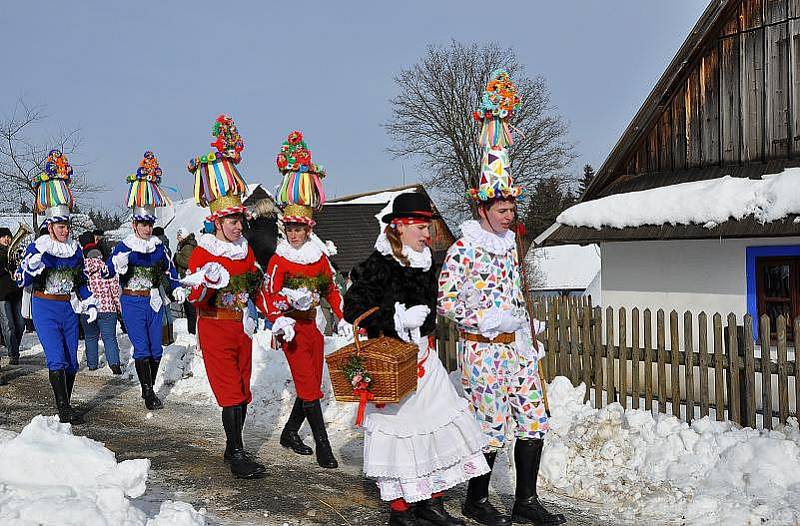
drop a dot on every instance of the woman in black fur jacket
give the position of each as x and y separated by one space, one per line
430 441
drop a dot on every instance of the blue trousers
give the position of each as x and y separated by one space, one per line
12 324
57 327
144 326
105 325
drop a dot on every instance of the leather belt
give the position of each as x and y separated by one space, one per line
221 314
140 293
503 337
302 315
53 297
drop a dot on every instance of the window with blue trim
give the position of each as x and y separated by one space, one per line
773 284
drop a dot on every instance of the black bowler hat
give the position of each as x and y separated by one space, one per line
411 204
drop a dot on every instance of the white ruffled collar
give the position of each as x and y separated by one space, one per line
55 248
225 249
498 244
142 246
305 255
422 260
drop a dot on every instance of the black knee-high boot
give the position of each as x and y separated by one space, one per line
432 510
58 381
289 436
154 364
313 411
527 508
242 465
477 505
227 455
145 374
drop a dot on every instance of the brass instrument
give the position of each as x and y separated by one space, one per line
19 243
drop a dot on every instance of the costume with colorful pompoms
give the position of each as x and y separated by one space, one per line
301 184
52 185
144 188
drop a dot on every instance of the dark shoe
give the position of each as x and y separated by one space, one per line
144 373
432 510
325 458
242 464
403 518
289 436
13 360
115 368
477 505
58 381
527 508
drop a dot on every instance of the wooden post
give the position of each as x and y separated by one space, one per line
598 357
688 364
675 370
609 355
635 358
563 335
586 336
737 396
623 359
574 345
766 372
702 329
749 373
796 334
648 362
662 357
783 372
552 338
719 369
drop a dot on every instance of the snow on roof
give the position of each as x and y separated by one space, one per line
707 203
378 198
565 266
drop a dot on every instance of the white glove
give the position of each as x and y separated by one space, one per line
179 294
34 261
120 262
412 318
299 299
489 323
250 326
284 327
344 329
91 314
509 323
215 275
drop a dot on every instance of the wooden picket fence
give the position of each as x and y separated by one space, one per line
623 356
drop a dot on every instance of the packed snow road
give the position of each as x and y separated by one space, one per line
184 443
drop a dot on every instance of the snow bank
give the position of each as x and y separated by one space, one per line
705 203
49 476
657 468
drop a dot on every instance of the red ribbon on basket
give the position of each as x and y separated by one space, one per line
362 390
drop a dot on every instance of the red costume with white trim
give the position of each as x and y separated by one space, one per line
227 349
293 269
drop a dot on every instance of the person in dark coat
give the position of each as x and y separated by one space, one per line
186 245
12 325
262 234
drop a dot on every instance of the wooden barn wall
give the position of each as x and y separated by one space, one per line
738 103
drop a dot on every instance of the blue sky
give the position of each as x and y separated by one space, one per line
153 75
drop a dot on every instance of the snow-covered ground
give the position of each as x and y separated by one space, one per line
627 465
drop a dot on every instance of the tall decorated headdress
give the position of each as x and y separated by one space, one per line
53 196
217 182
145 194
301 189
499 101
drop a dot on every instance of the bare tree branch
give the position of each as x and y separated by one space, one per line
432 122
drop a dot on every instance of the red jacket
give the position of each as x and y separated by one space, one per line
315 276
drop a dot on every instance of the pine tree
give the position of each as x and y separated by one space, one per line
588 175
545 204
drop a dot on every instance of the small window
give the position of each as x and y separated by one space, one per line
778 290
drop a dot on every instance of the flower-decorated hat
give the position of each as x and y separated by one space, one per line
217 182
499 101
145 194
301 190
53 196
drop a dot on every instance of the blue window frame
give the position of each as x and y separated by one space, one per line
752 254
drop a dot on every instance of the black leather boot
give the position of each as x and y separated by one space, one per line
154 369
227 455
70 384
243 466
477 506
432 510
325 456
403 518
527 508
58 381
145 374
289 436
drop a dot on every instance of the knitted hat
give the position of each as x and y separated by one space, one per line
217 183
53 196
145 194
498 104
301 190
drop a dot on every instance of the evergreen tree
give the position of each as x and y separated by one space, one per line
546 202
588 175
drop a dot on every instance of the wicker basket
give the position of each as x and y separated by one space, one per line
391 363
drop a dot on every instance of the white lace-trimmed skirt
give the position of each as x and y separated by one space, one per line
427 443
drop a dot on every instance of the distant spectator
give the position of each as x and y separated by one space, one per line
186 245
262 231
159 233
107 292
86 241
102 244
12 325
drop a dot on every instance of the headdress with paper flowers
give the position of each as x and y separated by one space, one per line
301 189
499 101
145 194
217 182
53 196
